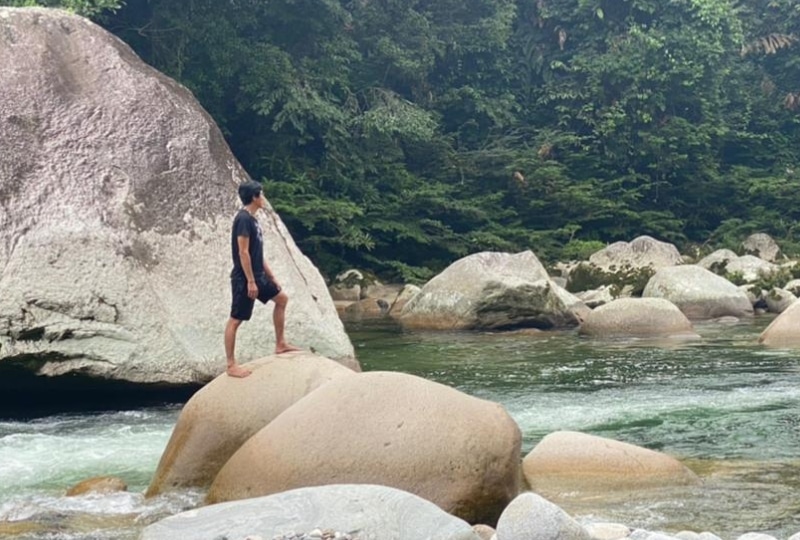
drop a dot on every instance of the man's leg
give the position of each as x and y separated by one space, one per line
233 369
279 320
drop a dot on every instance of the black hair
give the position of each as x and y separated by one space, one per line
249 191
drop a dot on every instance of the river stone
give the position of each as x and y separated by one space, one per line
637 317
387 428
751 268
490 290
793 287
784 331
484 532
100 484
117 193
756 536
532 517
698 293
596 297
607 531
406 293
572 460
717 260
762 245
220 417
778 300
639 253
347 286
371 512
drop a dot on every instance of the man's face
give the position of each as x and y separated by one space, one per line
260 200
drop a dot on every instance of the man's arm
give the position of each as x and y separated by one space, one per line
247 265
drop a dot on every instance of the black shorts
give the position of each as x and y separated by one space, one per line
241 304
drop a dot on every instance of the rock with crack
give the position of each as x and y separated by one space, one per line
117 193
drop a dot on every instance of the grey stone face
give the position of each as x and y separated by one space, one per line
367 512
117 193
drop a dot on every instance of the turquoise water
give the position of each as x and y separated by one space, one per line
725 406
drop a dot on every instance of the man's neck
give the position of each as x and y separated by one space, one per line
251 209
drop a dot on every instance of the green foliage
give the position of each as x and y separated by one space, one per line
399 136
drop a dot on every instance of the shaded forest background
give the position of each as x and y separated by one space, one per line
399 135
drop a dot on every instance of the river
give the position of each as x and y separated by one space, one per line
727 407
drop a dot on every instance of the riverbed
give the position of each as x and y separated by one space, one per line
725 406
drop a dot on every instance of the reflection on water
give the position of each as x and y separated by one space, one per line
729 408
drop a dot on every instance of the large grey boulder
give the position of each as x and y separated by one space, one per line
532 517
365 511
492 290
784 331
225 413
387 428
763 246
698 293
637 317
640 252
117 193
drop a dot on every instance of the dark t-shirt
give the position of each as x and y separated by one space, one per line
246 225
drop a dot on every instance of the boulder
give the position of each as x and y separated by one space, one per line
100 484
407 293
639 253
225 413
368 308
784 331
532 517
393 429
793 287
347 286
637 317
762 245
578 461
751 268
717 260
377 301
484 532
118 193
366 511
490 290
607 531
778 300
698 293
596 297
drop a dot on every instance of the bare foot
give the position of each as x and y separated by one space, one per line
237 371
286 347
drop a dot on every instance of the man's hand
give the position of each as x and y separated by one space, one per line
252 290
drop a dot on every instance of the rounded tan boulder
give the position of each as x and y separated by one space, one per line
784 331
219 418
392 429
637 317
577 461
99 484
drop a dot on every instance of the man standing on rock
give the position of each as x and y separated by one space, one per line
251 278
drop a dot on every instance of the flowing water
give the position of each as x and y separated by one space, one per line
727 407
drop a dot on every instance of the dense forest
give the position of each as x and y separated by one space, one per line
399 135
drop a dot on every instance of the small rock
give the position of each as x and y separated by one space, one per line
607 531
756 536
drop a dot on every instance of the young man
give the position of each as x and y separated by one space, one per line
251 278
